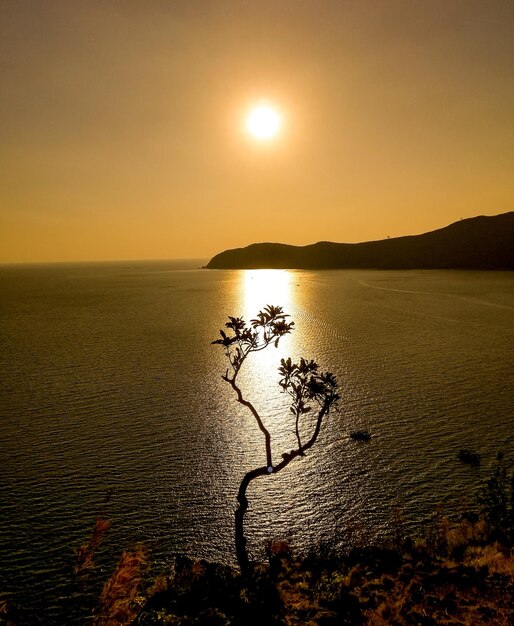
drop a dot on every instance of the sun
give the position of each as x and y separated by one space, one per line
263 122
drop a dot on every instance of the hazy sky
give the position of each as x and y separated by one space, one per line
122 122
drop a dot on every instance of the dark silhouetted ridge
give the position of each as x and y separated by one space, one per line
482 243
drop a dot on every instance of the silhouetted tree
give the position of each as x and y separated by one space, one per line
310 390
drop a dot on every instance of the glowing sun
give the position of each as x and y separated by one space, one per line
263 122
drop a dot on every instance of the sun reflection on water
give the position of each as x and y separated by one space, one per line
259 376
262 287
258 289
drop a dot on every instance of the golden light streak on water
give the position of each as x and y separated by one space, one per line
258 289
262 287
259 377
280 494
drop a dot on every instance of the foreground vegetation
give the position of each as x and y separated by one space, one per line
458 573
367 586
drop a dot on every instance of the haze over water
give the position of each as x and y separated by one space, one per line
109 381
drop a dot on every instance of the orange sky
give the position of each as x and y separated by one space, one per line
121 123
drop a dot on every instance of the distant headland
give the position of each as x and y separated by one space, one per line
480 243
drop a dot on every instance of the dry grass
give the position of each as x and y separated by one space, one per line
447 595
456 574
121 599
454 577
85 554
494 557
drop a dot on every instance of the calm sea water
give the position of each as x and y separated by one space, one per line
109 382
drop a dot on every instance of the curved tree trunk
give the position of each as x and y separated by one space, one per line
241 551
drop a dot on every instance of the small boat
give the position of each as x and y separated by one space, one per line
360 435
469 457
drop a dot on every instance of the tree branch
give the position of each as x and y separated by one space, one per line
241 551
253 410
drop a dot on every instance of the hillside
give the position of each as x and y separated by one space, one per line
481 243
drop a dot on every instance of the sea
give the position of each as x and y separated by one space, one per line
112 404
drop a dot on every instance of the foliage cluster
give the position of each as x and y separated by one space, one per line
267 328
